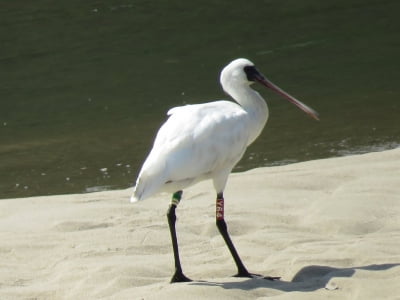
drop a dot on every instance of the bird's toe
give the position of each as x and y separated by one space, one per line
179 277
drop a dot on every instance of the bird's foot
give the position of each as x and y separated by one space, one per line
245 273
179 277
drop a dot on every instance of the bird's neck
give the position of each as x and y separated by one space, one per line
255 106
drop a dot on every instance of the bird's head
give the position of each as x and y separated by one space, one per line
242 72
235 73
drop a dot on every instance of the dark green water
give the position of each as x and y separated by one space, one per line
84 85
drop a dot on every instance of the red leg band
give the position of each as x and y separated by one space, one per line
219 214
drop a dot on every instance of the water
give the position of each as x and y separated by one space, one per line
86 84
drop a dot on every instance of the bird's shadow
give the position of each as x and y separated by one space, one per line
308 279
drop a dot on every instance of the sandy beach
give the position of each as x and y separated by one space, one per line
329 228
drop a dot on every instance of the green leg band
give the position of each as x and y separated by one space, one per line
176 198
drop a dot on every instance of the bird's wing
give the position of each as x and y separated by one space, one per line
195 141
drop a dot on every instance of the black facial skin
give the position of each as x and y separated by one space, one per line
252 73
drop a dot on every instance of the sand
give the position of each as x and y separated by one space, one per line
330 228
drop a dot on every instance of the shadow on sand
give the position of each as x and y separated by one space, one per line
308 279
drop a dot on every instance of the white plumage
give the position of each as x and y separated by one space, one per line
205 141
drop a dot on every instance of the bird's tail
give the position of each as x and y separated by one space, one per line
143 190
138 191
147 184
134 199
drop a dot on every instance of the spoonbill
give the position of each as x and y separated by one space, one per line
205 141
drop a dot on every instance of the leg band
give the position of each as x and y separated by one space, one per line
176 198
219 213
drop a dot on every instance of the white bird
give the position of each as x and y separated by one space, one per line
205 141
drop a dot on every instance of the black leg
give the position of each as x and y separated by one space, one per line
178 275
223 229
